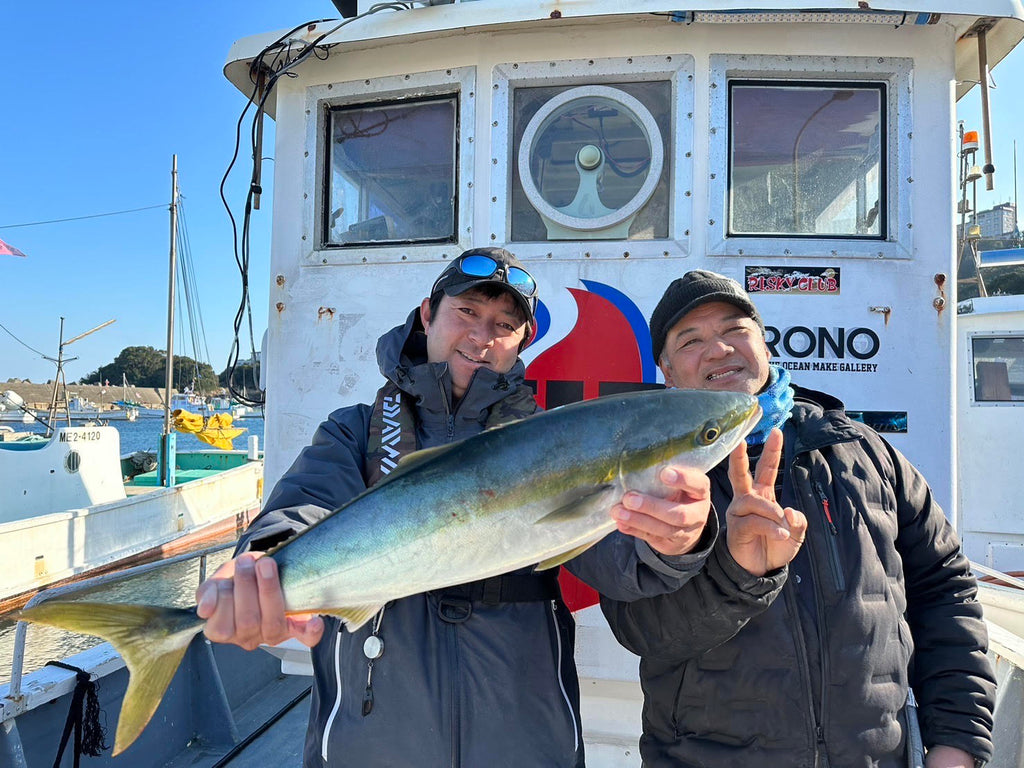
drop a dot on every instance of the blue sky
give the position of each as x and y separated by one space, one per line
1006 104
97 98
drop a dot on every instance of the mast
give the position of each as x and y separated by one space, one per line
59 380
171 279
168 442
51 418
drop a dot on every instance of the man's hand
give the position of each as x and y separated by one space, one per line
761 535
243 604
672 525
948 757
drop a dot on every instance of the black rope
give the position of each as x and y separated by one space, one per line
90 735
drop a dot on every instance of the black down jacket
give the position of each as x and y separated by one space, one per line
810 665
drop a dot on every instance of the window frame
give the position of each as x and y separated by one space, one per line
894 73
972 378
443 98
879 87
457 82
676 69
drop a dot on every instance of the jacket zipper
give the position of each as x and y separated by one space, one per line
814 730
337 698
561 683
833 533
453 658
822 749
817 731
821 629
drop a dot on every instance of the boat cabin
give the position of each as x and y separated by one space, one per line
806 152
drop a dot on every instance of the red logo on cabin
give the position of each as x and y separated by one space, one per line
607 351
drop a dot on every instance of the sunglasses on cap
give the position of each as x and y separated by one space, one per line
484 267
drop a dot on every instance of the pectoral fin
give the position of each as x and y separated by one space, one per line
577 507
553 562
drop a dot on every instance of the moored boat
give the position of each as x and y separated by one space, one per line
83 409
14 411
68 510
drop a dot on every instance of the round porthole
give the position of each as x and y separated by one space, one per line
72 461
590 159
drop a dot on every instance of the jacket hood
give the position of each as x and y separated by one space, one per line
823 421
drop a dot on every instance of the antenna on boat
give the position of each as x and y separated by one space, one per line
968 271
59 380
986 115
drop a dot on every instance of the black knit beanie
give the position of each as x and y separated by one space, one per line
688 292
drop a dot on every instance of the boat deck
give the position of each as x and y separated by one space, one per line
225 706
150 480
271 726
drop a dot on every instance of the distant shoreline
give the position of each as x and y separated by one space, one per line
38 396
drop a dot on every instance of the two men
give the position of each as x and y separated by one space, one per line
795 646
479 674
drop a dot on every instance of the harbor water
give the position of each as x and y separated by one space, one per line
174 585
144 434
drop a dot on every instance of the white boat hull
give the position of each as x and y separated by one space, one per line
65 511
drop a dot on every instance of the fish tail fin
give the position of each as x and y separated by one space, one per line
151 640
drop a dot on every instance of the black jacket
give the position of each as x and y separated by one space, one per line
810 665
497 689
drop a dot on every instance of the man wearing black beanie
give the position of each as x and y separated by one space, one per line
794 648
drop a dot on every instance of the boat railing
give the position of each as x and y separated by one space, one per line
18 657
1006 578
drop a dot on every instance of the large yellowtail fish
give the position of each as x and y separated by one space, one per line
536 491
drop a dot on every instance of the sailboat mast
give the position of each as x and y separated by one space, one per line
172 277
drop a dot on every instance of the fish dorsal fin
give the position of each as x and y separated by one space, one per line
553 562
416 458
354 616
578 506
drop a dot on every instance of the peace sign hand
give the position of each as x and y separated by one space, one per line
761 535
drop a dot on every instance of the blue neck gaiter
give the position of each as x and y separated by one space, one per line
776 405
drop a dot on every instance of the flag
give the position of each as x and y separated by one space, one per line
9 250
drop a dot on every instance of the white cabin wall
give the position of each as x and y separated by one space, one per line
319 360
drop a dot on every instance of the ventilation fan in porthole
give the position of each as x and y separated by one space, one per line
615 146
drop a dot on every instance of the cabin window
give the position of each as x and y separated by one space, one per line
597 161
807 159
391 173
998 368
810 156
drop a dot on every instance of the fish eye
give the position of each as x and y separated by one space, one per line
709 433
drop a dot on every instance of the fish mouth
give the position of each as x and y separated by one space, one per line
753 417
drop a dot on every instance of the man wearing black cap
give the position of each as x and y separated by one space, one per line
797 643
476 675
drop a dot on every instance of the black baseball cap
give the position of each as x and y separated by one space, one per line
696 287
490 266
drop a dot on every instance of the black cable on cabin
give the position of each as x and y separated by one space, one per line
277 69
